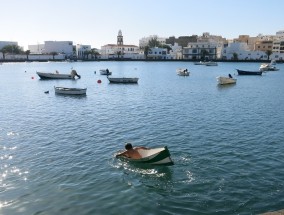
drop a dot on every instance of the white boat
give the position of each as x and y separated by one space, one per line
105 72
267 67
210 63
57 75
155 156
199 63
222 80
182 72
123 80
70 91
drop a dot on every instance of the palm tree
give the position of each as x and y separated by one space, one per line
146 51
94 52
268 53
203 54
27 53
235 56
53 54
154 43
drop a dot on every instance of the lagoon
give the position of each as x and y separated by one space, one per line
56 152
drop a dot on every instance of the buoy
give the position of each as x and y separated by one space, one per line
32 77
99 81
46 92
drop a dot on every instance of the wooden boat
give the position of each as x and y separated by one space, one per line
155 156
226 80
105 72
57 75
70 91
123 80
245 72
182 72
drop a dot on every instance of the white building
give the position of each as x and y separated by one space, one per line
63 47
242 51
119 50
158 54
7 43
81 50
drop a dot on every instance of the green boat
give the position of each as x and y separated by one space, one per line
155 156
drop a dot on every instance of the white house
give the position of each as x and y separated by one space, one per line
64 47
158 53
242 51
81 50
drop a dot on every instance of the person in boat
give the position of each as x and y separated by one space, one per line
230 76
131 152
107 71
74 73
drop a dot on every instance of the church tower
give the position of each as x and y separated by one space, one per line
119 38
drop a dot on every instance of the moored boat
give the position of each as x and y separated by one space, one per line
105 72
154 156
245 72
222 80
182 72
123 80
210 63
265 67
70 91
57 75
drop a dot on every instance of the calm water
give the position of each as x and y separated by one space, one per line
56 152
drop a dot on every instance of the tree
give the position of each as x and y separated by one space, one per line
119 53
235 56
154 43
94 52
268 53
27 53
203 54
53 54
11 49
146 51
167 47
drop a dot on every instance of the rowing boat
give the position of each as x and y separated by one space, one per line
154 156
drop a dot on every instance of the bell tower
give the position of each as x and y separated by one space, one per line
119 38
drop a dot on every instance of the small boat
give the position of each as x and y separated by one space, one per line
199 63
70 91
245 72
182 72
155 156
267 67
210 63
57 75
105 72
123 80
222 80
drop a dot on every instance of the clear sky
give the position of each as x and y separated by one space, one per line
97 22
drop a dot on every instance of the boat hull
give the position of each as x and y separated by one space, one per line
70 91
45 75
123 80
226 80
105 72
156 156
244 72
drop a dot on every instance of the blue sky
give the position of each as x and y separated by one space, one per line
97 22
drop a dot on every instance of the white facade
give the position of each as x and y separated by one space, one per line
64 47
81 50
242 51
158 53
194 50
118 51
7 43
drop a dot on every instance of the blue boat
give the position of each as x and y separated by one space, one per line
245 72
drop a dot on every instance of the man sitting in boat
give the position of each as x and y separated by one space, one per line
230 76
131 152
74 73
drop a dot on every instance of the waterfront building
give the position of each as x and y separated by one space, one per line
207 47
120 50
182 40
241 51
63 47
82 51
145 40
157 53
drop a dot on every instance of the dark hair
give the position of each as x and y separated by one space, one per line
128 146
